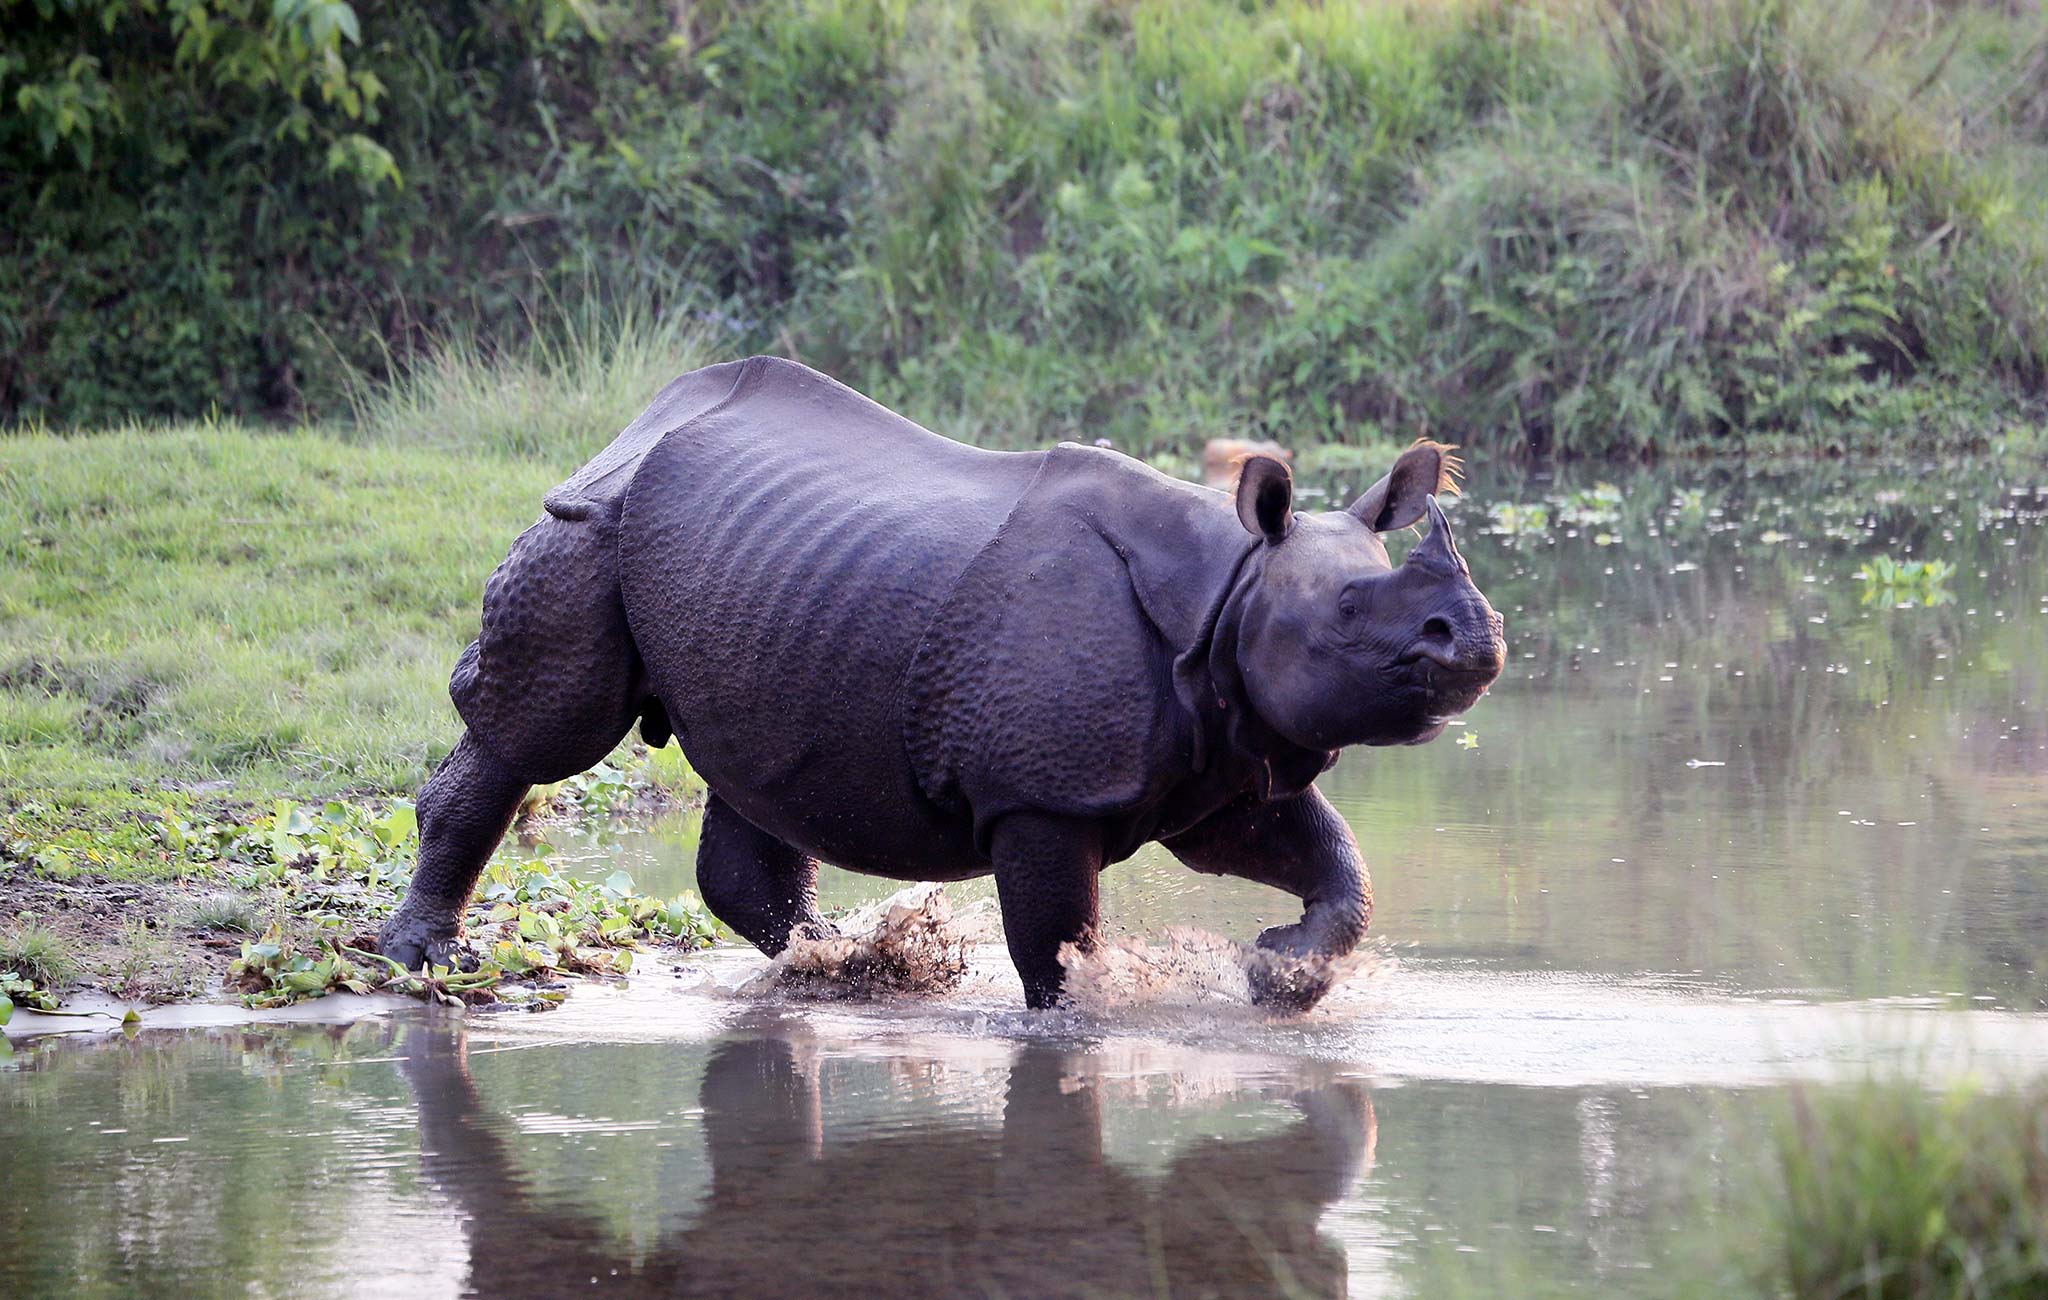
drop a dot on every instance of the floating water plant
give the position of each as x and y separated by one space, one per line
1895 584
1518 519
1599 504
21 991
528 923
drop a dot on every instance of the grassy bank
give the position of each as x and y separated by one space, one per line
1888 1191
205 602
1554 225
210 634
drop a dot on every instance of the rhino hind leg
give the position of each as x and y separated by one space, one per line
553 681
764 889
464 811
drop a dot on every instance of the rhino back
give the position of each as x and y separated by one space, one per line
780 554
598 489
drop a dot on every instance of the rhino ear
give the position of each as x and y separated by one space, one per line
1265 497
1424 470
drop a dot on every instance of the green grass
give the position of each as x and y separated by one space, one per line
220 911
37 953
1892 1192
213 604
1664 226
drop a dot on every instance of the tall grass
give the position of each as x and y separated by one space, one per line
560 394
1604 228
37 953
1890 1192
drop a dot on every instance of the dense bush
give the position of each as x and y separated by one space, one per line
1622 227
231 204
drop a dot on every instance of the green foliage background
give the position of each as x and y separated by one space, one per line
1559 225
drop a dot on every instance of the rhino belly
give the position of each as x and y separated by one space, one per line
776 609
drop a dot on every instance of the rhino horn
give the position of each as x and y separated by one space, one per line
1438 548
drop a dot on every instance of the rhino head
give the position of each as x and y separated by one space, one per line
1339 646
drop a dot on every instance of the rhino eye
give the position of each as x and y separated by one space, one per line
1347 607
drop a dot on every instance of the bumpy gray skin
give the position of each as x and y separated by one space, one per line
917 659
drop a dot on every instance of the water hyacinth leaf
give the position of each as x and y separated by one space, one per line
619 883
6 1008
398 825
292 819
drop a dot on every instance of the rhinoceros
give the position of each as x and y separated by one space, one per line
913 658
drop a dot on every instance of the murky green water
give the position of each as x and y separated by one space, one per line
1725 822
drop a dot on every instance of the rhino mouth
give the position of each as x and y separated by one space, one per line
1422 696
1449 689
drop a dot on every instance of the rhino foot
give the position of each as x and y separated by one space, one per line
415 941
1290 985
1289 972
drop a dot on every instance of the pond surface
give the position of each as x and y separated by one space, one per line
1734 817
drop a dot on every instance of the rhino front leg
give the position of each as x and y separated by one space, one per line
464 810
1300 845
1046 876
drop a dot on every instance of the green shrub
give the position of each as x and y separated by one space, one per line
1601 228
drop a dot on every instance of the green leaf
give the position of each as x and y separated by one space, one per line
6 1008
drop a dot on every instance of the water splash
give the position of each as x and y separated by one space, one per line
908 945
914 945
1187 967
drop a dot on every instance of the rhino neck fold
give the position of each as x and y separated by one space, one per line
1228 733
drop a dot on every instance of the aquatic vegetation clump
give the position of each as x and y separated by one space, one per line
20 991
1902 584
528 925
1893 1192
310 883
642 782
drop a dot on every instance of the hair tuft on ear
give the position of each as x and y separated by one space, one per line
1450 466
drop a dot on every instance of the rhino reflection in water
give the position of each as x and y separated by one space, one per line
1034 1208
917 659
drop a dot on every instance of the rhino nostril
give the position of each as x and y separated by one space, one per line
1437 629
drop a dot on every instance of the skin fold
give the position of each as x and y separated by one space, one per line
917 659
